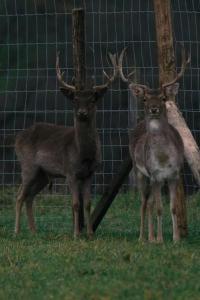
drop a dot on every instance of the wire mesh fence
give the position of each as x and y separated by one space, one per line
33 31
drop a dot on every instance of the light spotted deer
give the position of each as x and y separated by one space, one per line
157 151
46 151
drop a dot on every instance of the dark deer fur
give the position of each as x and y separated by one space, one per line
157 151
46 151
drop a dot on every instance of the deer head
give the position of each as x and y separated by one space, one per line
154 99
85 100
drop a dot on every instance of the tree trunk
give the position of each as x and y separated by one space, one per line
191 150
167 72
78 38
78 41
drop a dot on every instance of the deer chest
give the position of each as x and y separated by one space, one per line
162 161
157 159
86 168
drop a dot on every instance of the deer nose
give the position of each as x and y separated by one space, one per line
154 110
82 113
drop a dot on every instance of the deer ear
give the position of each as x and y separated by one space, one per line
68 93
172 90
99 92
136 90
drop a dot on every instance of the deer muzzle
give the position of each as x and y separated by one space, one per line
154 112
82 115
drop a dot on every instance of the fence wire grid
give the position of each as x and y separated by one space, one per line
32 32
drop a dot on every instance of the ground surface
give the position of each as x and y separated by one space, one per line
51 265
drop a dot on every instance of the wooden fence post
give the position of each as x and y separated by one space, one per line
78 41
167 72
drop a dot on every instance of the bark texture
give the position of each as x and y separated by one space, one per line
78 41
167 72
191 150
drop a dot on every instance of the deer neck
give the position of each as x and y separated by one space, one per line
156 125
85 137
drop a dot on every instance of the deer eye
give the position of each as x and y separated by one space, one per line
163 98
93 100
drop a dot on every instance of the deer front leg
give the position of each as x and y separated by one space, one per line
172 191
87 206
157 194
75 206
29 211
142 216
151 236
143 185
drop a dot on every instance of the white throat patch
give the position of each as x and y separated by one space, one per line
154 124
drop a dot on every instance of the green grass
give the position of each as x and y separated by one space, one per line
114 265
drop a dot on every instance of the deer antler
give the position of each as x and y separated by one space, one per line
128 78
60 76
120 60
110 79
183 67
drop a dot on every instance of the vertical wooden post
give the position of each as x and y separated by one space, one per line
167 71
78 40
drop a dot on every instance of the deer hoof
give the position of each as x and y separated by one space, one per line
159 240
152 240
90 232
141 239
77 235
176 240
16 234
33 231
90 236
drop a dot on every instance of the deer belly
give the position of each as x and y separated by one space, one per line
51 164
163 167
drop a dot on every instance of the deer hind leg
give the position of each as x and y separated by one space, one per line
151 236
37 185
172 191
28 173
32 183
142 216
29 212
21 198
74 187
159 209
18 208
87 206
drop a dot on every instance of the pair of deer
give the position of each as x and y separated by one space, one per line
46 151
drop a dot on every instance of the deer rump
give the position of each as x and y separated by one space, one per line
139 146
52 149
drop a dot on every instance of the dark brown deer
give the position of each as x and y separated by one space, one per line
46 151
157 151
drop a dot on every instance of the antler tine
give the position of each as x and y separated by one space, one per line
183 67
115 70
110 79
125 79
120 60
60 76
